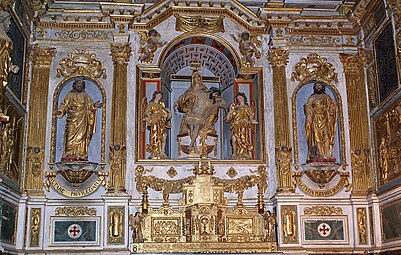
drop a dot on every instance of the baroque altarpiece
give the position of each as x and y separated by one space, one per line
200 127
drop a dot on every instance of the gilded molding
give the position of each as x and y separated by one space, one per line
120 53
35 222
362 226
312 67
81 63
73 211
186 23
322 210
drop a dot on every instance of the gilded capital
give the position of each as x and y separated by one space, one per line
353 62
120 53
278 56
42 56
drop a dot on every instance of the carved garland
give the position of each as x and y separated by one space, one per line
323 210
75 211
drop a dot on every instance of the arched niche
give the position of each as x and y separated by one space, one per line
300 97
96 148
220 67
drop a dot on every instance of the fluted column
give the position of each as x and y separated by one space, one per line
41 62
118 154
278 58
358 121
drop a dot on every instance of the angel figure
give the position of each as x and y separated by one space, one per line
247 48
157 118
135 222
243 120
151 41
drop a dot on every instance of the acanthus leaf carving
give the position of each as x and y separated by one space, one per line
323 210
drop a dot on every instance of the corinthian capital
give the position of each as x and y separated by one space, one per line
42 56
278 56
353 62
120 53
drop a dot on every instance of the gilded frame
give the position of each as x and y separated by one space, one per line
53 219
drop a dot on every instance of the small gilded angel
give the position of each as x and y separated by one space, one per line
151 42
247 48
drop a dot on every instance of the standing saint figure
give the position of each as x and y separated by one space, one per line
80 124
6 46
243 120
158 120
320 125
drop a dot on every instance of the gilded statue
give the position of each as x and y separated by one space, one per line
362 226
361 169
80 122
200 107
383 159
284 161
152 42
270 227
157 118
8 149
6 46
320 125
243 120
4 118
247 48
136 222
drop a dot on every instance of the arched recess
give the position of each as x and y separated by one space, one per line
96 91
220 67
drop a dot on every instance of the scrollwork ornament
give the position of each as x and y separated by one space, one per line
72 211
323 210
81 63
84 35
120 53
278 56
312 67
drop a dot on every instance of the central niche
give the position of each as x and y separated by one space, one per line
195 107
